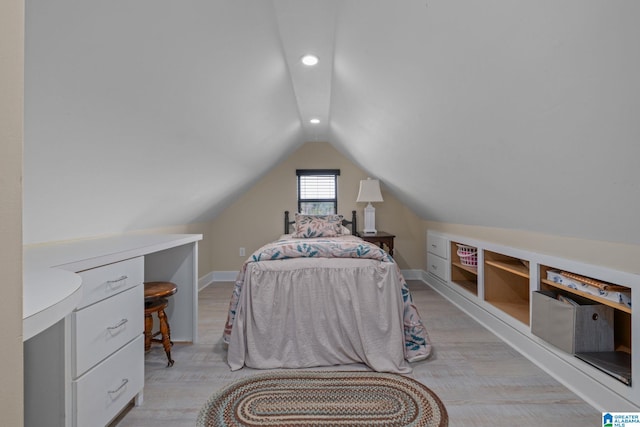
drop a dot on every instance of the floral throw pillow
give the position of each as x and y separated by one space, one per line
318 226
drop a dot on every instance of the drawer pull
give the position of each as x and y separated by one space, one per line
117 325
435 267
434 246
120 387
117 281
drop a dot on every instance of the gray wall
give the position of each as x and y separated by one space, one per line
519 115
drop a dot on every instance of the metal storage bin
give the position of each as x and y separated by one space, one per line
587 327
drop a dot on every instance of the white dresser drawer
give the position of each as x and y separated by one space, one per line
102 328
437 245
102 282
437 266
101 393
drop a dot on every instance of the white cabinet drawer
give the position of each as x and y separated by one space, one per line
437 245
101 393
102 282
103 328
437 266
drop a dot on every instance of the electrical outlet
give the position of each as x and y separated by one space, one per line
241 251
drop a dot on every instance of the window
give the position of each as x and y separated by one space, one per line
318 191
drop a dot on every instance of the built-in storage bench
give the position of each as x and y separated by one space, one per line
515 292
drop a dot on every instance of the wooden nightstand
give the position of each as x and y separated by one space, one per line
381 238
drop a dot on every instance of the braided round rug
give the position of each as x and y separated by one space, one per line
324 398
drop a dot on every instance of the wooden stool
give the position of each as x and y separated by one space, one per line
155 301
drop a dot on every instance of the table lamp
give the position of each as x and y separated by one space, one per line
369 192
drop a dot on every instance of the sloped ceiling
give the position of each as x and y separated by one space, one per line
520 115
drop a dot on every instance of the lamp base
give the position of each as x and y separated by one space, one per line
369 220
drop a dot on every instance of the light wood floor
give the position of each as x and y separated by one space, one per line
481 380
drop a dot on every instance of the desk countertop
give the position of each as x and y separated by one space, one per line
51 287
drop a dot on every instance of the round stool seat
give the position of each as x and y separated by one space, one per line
153 290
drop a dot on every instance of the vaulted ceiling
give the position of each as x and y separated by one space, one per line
516 114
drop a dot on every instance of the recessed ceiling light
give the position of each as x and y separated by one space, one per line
309 60
314 121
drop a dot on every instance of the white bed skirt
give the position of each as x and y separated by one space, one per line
308 312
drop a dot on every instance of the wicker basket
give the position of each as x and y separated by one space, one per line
468 255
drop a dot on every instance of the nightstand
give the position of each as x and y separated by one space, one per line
381 238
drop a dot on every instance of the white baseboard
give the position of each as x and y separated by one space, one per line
413 274
216 276
205 281
225 276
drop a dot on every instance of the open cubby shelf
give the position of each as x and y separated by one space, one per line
514 267
465 276
468 269
606 361
616 305
506 285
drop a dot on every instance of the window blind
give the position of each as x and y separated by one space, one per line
318 187
317 191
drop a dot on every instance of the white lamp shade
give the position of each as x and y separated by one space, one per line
369 191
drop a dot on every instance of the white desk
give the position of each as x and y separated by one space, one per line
52 290
49 295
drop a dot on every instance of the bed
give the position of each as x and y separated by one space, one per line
322 296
